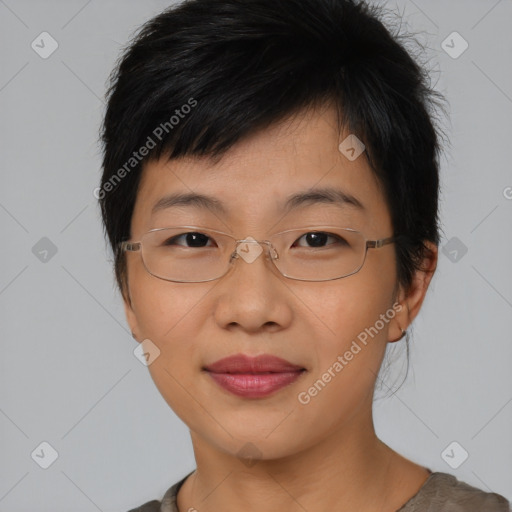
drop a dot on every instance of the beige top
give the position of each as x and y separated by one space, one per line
441 492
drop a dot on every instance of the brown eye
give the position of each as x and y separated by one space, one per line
320 238
192 239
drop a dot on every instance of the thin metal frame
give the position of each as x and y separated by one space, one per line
369 244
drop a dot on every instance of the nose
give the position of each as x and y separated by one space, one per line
249 249
252 295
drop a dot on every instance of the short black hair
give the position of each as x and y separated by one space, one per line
202 75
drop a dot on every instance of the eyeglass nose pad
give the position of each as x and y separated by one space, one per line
248 249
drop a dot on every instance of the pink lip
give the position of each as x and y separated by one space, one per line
253 377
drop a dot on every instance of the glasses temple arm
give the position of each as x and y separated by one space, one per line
129 246
375 244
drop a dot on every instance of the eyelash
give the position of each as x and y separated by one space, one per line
329 235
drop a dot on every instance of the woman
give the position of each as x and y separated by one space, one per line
270 191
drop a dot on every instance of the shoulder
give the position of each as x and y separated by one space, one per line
443 492
168 503
150 506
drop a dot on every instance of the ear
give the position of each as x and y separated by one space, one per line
412 299
131 317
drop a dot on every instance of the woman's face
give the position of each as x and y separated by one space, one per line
254 310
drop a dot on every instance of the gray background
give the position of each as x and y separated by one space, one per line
68 375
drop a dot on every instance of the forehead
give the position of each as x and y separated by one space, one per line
256 179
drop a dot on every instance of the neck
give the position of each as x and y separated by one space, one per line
349 470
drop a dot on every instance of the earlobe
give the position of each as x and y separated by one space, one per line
130 315
400 323
404 332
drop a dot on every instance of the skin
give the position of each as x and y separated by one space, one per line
311 457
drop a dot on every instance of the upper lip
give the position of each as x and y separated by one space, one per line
241 363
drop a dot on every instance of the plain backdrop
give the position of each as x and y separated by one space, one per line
68 375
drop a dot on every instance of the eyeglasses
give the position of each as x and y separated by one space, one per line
192 254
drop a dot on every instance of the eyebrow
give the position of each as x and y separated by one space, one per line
322 195
326 195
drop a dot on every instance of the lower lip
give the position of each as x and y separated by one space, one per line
255 385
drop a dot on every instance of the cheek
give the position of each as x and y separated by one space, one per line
353 332
348 353
168 314
345 307
159 305
353 316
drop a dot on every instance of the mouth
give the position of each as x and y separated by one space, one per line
253 377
